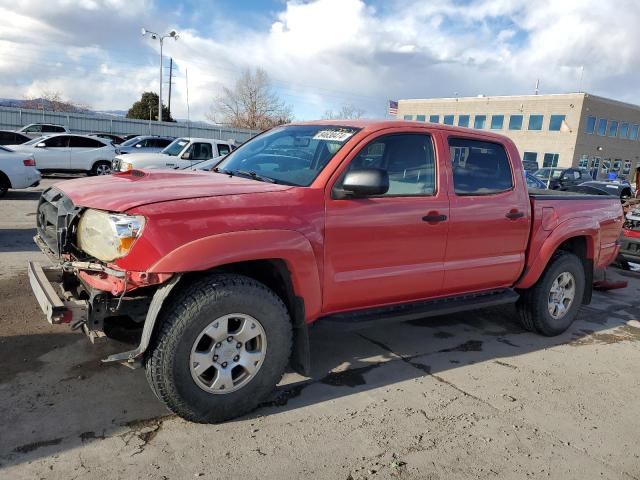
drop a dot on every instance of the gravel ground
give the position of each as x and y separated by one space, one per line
457 397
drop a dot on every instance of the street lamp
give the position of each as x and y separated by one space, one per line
156 36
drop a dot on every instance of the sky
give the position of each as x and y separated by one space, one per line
319 54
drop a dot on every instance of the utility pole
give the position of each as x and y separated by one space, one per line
186 75
170 82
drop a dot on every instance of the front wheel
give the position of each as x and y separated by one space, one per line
101 168
552 304
222 346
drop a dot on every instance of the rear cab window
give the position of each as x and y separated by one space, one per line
479 167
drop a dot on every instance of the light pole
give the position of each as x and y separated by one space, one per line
156 36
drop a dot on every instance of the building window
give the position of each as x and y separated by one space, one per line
479 121
463 120
617 163
408 117
633 133
434 118
624 130
535 122
555 122
420 118
627 167
591 125
530 161
496 122
584 161
613 128
515 122
602 127
448 120
550 160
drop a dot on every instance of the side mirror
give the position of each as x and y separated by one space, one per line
41 145
186 156
364 183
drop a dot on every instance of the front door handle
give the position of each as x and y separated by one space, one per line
514 215
434 218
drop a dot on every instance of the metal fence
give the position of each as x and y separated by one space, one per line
15 118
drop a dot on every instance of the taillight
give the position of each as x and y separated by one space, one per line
29 162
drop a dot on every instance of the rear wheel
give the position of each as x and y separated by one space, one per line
101 168
223 344
4 184
552 304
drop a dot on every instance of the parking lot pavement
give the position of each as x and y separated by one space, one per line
464 396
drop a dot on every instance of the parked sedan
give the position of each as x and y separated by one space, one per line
70 153
7 137
17 170
144 143
533 182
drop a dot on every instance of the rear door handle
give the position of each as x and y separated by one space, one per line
434 218
514 215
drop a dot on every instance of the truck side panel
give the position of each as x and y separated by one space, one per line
555 220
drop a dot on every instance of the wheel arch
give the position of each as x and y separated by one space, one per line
5 181
580 236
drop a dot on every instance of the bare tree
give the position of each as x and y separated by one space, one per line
53 101
346 112
252 103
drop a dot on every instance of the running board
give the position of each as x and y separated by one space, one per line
362 319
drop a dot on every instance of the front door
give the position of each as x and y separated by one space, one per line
489 226
54 154
388 248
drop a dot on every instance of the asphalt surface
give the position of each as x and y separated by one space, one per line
457 397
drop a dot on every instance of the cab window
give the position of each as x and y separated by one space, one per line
479 168
408 159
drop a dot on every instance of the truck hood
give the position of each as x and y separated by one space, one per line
123 191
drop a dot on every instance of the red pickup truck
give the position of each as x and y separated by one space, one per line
222 272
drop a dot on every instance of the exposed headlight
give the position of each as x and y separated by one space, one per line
126 166
107 236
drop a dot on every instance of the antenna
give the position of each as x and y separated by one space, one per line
186 76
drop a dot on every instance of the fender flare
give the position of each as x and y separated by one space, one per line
234 247
576 227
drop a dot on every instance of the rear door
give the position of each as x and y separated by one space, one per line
223 149
388 248
490 215
84 151
54 155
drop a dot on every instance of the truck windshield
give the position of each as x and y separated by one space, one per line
291 155
175 147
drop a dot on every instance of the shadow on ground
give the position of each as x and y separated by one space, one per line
58 395
17 240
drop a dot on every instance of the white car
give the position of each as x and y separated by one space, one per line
17 170
181 153
70 153
35 130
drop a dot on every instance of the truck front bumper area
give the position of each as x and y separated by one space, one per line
61 305
58 308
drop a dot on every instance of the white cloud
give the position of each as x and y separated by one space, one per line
323 53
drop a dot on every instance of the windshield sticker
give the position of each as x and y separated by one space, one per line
335 135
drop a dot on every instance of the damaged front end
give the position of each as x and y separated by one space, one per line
95 296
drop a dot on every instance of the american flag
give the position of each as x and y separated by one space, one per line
393 107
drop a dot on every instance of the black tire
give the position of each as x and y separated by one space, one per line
189 312
98 168
5 184
533 304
